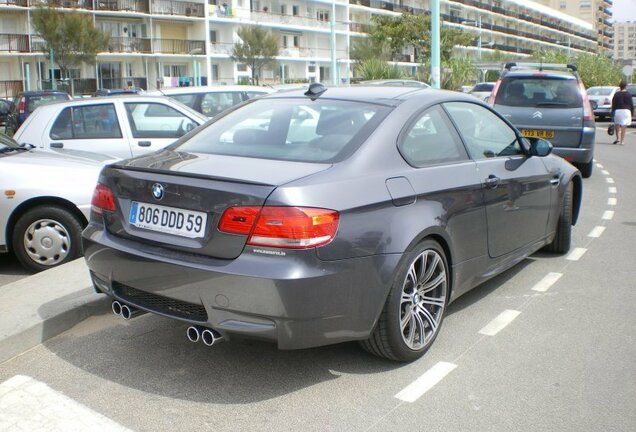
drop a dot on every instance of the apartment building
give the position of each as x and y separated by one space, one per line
624 41
165 43
596 12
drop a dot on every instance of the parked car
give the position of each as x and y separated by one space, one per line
396 82
117 92
213 100
5 106
482 90
121 126
26 102
45 203
549 101
631 88
601 100
365 225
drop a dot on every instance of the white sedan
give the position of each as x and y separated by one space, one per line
45 202
121 126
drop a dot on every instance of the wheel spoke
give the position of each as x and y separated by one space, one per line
433 284
406 298
406 319
411 336
431 268
429 318
421 330
433 301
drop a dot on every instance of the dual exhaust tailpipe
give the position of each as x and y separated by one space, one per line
125 311
207 335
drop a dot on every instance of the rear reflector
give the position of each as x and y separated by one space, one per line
21 105
282 227
103 199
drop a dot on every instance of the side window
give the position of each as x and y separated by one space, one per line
431 139
87 122
483 132
155 120
186 99
214 103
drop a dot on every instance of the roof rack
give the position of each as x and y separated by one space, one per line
540 66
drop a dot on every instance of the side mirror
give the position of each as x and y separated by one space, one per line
539 147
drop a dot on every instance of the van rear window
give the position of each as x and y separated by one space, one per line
539 92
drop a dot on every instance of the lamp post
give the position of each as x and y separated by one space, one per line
478 25
569 42
435 42
334 62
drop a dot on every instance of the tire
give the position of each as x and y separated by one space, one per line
586 169
46 236
422 316
563 237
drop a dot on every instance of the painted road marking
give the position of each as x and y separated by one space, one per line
605 172
612 189
576 254
597 231
608 215
499 323
609 179
611 201
424 383
28 404
599 165
544 284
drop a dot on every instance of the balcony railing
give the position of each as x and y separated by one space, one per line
366 3
76 86
177 46
124 5
23 3
172 7
129 45
71 4
8 89
221 48
14 42
120 83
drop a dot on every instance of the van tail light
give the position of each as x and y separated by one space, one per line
588 114
282 227
103 200
607 101
493 93
21 106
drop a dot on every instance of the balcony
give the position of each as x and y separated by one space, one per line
177 46
120 83
70 4
181 8
123 5
75 86
305 52
22 3
221 48
129 45
366 3
14 43
360 28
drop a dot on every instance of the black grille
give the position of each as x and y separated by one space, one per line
159 304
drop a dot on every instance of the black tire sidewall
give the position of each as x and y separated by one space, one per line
65 218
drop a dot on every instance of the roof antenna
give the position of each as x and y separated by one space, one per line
315 91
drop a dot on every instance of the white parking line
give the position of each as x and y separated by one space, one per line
544 284
32 405
612 189
499 323
424 383
605 172
597 231
599 165
609 180
576 254
611 201
608 215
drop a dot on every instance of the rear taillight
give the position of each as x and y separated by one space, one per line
607 101
103 199
21 105
493 94
588 114
282 227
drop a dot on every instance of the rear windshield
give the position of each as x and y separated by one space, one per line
600 91
484 87
539 92
289 129
632 89
36 101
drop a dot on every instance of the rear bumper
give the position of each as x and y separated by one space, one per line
297 300
584 153
603 110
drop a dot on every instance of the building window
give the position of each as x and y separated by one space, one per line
215 72
585 4
241 67
295 10
322 15
291 41
563 4
283 9
213 36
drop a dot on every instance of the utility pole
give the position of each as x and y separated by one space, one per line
435 42
334 63
51 70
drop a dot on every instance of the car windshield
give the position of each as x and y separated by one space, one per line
600 91
36 101
537 92
484 87
289 129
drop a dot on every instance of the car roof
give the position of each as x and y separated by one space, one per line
42 92
209 89
536 73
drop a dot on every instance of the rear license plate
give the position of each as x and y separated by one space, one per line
170 220
534 133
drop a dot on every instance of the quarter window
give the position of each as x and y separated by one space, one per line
86 122
152 120
484 134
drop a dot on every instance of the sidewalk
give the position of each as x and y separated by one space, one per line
42 306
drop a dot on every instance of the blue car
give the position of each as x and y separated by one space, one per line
26 102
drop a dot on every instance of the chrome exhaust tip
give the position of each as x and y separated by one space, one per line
211 337
116 307
193 334
129 312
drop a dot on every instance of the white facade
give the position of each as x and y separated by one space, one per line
164 43
624 41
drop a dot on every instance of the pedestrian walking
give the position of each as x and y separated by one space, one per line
622 111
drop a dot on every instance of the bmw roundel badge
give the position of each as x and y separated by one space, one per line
157 191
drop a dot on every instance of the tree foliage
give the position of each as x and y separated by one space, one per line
457 72
376 68
258 49
72 36
594 69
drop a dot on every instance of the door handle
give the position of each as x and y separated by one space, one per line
555 181
144 143
57 145
492 181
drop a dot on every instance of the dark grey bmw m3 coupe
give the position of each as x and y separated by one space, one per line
315 217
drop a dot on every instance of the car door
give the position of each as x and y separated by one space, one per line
155 125
516 187
95 128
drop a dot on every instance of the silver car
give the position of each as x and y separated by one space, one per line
601 100
121 126
44 203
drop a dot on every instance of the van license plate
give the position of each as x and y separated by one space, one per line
534 133
170 220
